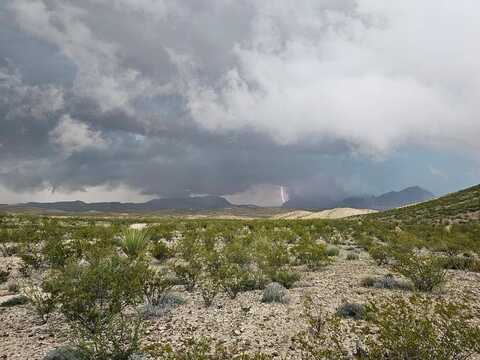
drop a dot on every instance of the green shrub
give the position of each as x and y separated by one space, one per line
188 273
352 310
42 302
332 251
94 299
134 242
285 277
380 254
425 272
396 329
417 329
465 263
209 289
155 286
234 279
161 251
308 252
275 293
55 252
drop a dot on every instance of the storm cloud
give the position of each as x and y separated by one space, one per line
173 98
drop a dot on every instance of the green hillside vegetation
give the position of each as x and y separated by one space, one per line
457 208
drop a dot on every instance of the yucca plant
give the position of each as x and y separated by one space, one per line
134 242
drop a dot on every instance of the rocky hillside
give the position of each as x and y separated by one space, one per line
458 207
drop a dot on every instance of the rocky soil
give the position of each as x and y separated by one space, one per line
245 321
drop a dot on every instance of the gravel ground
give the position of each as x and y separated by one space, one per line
245 321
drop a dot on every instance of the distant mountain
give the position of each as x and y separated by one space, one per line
385 201
189 203
390 200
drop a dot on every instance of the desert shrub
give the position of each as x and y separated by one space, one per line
324 337
55 252
7 250
164 306
352 256
425 272
235 279
396 329
352 310
31 258
465 263
332 251
94 298
134 242
275 293
201 349
417 329
4 276
14 301
387 282
380 254
161 251
41 301
64 353
271 254
309 252
209 289
285 277
155 286
188 273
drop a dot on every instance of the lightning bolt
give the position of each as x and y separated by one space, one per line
282 194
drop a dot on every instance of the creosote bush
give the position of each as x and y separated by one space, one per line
419 329
425 272
94 298
396 329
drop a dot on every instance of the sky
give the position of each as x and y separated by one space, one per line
129 100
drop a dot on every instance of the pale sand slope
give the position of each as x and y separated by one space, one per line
337 213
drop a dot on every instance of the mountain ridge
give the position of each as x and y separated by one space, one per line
208 202
386 201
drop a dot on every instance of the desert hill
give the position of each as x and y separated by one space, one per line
457 207
337 213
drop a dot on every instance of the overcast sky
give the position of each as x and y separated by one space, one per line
134 99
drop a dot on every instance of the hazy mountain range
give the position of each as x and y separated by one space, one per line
390 200
386 201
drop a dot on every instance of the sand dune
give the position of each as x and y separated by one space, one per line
337 213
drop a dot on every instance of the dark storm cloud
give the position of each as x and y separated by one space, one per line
217 96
